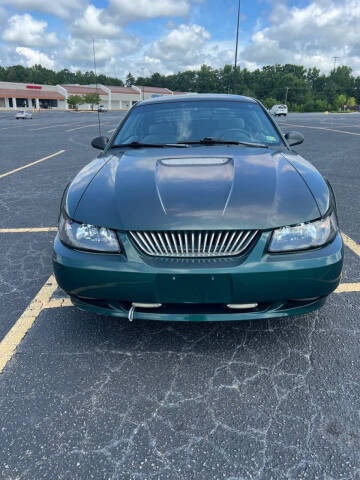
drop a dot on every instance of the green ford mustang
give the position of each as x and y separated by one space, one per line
198 209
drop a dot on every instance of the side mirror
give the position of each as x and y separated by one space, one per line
294 138
99 142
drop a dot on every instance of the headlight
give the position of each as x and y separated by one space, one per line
87 237
304 236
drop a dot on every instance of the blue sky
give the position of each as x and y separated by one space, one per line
172 35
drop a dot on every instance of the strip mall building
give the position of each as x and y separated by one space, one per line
23 95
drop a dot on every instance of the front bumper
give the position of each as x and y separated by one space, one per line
199 289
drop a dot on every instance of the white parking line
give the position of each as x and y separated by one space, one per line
319 128
79 128
52 126
17 126
341 124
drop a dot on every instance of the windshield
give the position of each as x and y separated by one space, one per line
172 122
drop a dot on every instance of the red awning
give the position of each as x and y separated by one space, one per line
41 94
126 90
79 90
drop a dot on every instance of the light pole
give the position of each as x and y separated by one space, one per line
142 88
286 94
236 47
335 60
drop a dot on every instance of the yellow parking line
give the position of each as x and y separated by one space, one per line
59 302
348 287
349 242
31 164
43 300
28 230
18 331
79 128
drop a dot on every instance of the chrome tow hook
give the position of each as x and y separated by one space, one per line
131 313
141 305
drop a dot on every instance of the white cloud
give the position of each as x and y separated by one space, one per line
129 10
80 51
180 48
308 35
33 57
26 31
3 15
93 24
185 47
59 8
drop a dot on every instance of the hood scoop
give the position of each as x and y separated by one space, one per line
191 161
194 186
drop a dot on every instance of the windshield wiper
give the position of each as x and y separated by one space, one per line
214 141
155 145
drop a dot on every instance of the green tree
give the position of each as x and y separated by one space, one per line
339 102
320 106
206 80
343 79
308 89
157 80
17 73
269 102
351 102
75 100
130 80
92 99
65 76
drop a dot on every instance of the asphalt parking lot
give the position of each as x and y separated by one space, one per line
90 397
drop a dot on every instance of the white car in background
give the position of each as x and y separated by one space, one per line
24 115
279 110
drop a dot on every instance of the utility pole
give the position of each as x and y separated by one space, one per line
96 85
142 88
286 94
335 60
236 48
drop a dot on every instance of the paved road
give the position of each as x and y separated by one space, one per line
87 397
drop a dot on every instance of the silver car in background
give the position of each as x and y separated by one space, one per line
279 110
24 115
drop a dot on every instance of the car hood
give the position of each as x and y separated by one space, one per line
196 188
